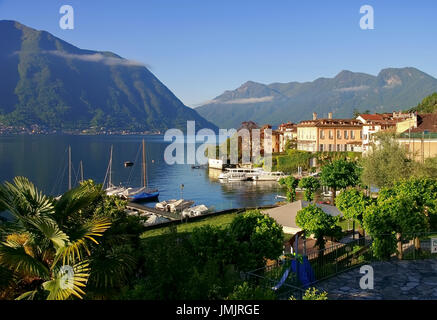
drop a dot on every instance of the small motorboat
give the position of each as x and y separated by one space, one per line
128 164
195 211
174 205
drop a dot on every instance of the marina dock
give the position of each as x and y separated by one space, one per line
148 210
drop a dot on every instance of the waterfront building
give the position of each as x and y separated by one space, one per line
420 139
329 134
287 132
373 123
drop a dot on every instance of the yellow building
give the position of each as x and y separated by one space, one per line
421 138
329 134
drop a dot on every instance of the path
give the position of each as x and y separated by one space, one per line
394 280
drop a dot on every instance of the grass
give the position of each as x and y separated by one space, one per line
221 221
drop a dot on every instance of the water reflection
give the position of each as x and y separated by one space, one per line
43 159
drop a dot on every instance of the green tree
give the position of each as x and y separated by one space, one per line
428 104
311 185
313 220
340 174
387 163
259 237
352 203
422 192
290 183
40 241
390 220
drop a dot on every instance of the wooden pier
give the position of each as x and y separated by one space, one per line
148 210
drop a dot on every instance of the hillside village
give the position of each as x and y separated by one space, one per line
417 132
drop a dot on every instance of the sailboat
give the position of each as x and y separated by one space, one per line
112 190
142 193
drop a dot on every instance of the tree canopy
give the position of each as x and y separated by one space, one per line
387 163
290 183
313 220
427 105
340 174
311 185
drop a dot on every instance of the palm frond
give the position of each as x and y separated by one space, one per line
111 270
78 242
51 231
29 295
75 200
23 199
68 282
13 256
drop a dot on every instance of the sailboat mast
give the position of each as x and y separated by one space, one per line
69 167
110 168
81 171
144 164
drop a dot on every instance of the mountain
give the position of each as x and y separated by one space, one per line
427 105
392 89
48 82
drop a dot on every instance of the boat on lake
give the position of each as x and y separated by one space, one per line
141 193
195 211
256 174
111 189
174 205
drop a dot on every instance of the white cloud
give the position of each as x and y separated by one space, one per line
99 58
240 101
349 89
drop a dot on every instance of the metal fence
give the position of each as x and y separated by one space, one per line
414 246
342 257
269 277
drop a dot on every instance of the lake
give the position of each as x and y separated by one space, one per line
44 160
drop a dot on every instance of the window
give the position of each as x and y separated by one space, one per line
321 147
322 134
338 147
338 134
331 136
361 134
330 147
352 134
345 134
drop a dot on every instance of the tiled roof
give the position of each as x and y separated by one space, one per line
426 122
330 122
371 116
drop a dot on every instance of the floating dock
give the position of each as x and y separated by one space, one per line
148 210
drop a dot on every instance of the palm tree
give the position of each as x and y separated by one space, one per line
45 250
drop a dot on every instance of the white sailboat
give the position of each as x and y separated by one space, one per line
112 190
141 193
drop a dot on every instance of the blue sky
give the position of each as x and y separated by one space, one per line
199 48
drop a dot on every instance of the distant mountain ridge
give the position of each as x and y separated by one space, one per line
48 82
275 103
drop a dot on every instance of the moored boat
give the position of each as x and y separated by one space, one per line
142 193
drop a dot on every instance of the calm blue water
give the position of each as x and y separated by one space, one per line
43 159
